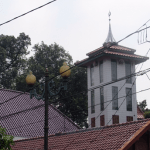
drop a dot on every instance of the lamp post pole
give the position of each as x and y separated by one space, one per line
46 112
48 93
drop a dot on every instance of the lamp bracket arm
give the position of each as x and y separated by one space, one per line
51 85
33 93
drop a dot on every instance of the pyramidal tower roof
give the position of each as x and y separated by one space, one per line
110 38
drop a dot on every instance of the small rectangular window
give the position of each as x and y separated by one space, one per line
102 120
114 69
129 99
101 71
101 98
115 119
93 122
92 75
115 98
129 118
128 71
92 102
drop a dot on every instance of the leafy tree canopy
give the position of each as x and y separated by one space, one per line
52 57
143 105
5 140
13 53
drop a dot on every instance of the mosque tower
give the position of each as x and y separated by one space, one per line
111 103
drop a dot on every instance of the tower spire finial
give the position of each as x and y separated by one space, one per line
110 38
109 14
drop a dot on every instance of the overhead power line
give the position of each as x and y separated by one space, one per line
27 12
110 101
42 105
121 103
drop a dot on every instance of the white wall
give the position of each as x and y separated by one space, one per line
108 112
18 138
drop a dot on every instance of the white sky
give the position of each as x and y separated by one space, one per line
80 26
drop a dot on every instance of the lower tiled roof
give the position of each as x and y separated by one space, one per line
109 137
24 117
140 114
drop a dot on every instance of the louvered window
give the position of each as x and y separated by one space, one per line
102 98
115 98
92 75
114 69
101 71
92 102
102 120
115 119
93 122
128 71
129 99
129 118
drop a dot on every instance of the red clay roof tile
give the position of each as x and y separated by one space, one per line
124 54
118 47
108 137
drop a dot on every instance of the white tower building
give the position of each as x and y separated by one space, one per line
109 103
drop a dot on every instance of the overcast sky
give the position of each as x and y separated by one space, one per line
80 26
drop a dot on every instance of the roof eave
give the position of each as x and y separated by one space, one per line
136 136
85 62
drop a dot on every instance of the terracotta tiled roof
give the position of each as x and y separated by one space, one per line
95 51
117 47
111 137
140 114
124 54
24 117
122 48
112 53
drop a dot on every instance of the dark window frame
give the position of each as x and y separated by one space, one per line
102 120
101 71
92 74
114 97
128 71
92 102
113 69
129 99
102 98
129 118
115 119
92 122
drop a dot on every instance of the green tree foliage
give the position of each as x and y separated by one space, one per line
74 106
147 114
13 53
73 102
143 105
5 140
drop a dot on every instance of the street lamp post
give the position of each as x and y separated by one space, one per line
48 93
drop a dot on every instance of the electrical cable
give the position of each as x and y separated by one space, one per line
122 101
27 12
36 107
74 65
118 42
113 97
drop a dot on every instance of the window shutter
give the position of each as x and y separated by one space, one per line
115 119
93 122
129 118
92 102
102 120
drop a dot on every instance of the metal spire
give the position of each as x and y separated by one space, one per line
110 38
